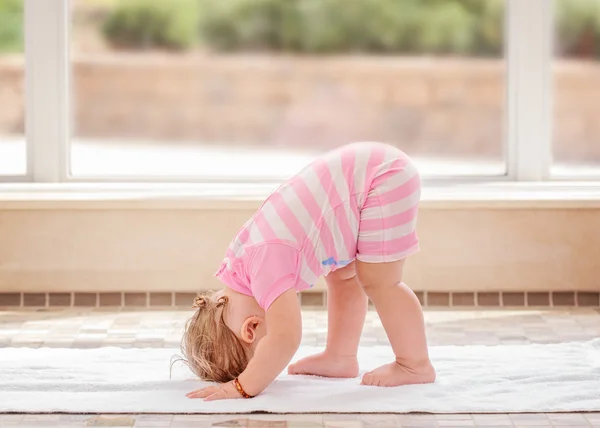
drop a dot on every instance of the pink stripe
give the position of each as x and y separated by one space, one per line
389 222
336 203
348 161
264 227
230 254
387 248
377 156
348 165
316 212
411 186
288 217
244 234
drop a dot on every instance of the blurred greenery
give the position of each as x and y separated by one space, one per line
11 26
146 24
578 27
464 27
412 27
336 26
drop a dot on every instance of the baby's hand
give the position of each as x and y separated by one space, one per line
224 391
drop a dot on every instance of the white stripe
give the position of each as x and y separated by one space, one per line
319 249
338 241
398 179
354 215
314 186
306 274
238 248
354 224
361 160
391 233
343 252
390 154
334 164
276 223
342 187
322 199
254 235
393 208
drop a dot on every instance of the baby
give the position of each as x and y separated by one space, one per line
349 216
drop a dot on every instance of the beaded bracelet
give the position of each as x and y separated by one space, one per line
238 386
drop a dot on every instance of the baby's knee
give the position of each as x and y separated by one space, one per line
369 281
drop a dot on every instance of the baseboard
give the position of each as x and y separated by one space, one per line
313 299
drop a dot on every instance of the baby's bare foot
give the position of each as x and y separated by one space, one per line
396 374
326 365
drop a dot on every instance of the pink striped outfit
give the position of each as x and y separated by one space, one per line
359 201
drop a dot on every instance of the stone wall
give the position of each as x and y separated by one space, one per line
426 106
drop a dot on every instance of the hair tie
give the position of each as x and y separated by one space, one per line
221 301
199 302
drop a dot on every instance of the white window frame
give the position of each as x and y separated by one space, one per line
47 87
528 119
529 38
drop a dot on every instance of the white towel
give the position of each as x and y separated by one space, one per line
475 379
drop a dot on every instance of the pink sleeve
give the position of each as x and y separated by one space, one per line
273 271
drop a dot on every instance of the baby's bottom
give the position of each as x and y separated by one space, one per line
401 316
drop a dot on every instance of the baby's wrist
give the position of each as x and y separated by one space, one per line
240 389
249 387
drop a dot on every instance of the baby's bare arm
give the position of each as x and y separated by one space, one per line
272 355
277 348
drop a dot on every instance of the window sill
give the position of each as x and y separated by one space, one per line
249 196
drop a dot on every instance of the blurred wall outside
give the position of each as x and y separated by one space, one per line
430 107
308 74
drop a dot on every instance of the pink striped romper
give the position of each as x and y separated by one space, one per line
359 201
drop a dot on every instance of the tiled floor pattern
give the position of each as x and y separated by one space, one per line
79 328
306 421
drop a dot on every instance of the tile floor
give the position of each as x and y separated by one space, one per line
143 328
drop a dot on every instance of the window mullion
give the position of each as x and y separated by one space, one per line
529 42
46 39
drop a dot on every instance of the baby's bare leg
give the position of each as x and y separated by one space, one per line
346 312
402 319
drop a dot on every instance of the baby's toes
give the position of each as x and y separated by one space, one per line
368 379
294 369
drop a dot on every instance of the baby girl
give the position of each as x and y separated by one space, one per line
349 216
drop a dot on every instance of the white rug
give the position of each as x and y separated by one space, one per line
475 379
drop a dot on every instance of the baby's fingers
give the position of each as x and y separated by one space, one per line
203 393
218 395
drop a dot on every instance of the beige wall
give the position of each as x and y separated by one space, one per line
131 248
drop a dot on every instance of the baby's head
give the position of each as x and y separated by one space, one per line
220 338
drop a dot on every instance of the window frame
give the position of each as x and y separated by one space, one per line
529 27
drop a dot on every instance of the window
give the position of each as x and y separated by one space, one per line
208 89
576 73
13 157
221 91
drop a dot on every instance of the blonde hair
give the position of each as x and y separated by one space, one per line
210 349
